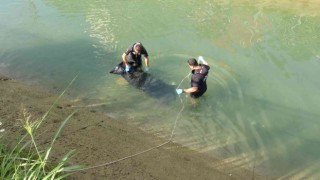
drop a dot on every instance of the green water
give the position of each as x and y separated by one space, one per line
261 110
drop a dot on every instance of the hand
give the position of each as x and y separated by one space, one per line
146 69
128 68
179 91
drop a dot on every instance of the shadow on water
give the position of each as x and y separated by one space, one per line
53 64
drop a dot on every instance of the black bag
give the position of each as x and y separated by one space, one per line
119 69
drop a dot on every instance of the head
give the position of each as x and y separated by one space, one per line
137 48
192 63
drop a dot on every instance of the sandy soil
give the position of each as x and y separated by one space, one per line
98 139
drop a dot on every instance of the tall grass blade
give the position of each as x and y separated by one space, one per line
24 161
55 102
57 134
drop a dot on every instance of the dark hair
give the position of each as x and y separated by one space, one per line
192 62
138 47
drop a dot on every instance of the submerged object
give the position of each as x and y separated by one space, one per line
151 85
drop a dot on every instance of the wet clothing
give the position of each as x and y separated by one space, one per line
198 79
133 58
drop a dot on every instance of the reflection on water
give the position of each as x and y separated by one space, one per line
261 108
102 28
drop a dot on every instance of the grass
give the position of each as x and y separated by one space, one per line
25 160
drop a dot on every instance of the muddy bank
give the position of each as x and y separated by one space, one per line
99 139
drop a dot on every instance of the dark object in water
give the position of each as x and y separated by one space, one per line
4 78
154 87
119 69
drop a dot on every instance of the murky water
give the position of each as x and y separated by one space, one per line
261 110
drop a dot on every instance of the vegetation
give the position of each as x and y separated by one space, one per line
26 160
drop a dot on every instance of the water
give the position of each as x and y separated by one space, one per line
261 108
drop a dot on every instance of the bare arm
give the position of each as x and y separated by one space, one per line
146 61
124 58
190 90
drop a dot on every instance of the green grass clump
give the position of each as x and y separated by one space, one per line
26 161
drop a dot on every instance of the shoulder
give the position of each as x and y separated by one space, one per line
130 49
204 70
205 66
131 46
144 50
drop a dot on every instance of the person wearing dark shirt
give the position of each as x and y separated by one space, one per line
198 79
132 57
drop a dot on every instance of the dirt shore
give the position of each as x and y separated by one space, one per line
99 139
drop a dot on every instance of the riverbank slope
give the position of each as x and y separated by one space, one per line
99 139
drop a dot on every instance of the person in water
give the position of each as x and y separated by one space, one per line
132 57
198 80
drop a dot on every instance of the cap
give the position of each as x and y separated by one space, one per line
192 62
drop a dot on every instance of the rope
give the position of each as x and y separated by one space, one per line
91 105
141 152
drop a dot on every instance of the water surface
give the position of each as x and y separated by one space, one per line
261 108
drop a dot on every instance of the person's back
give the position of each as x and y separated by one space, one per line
198 79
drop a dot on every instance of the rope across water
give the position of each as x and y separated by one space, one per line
144 151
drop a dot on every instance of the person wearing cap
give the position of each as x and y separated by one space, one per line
198 80
132 57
